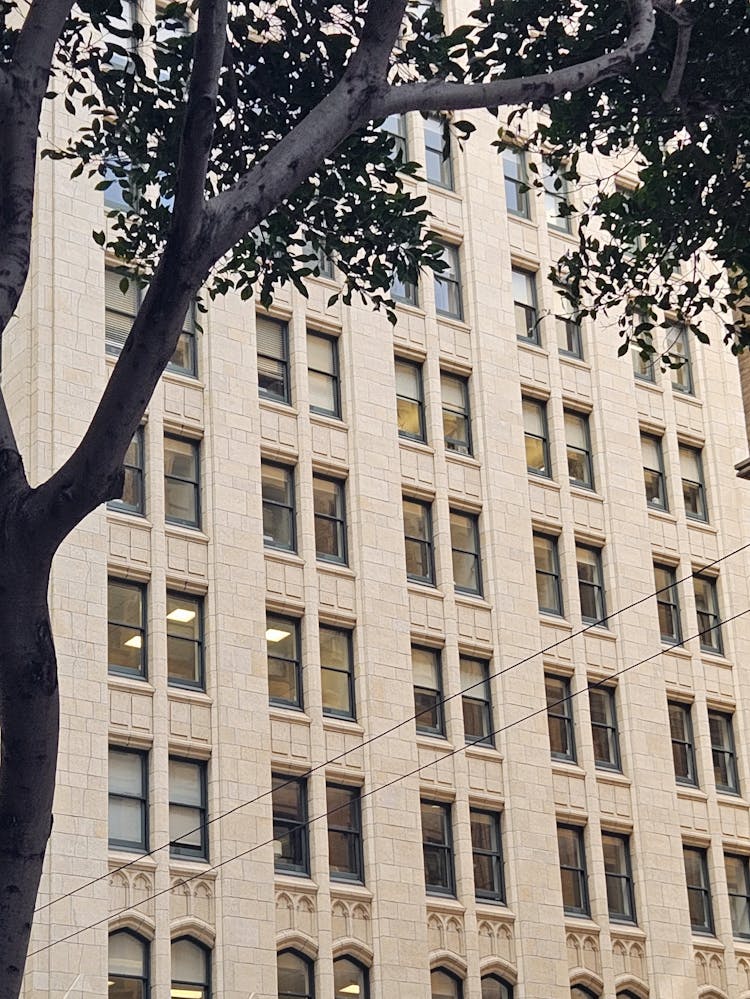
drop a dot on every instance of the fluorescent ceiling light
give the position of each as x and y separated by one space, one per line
183 615
136 642
276 634
349 990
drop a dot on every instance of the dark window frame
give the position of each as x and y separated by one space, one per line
561 710
339 520
418 400
596 586
585 452
609 727
502 982
296 828
141 846
682 354
400 137
469 694
541 407
726 750
685 741
145 945
199 642
554 574
529 310
661 502
363 969
140 629
446 850
709 620
427 544
668 602
581 871
558 195
334 376
497 893
445 180
137 472
475 553
296 663
195 483
744 863
702 890
352 834
290 507
699 485
623 878
328 712
309 966
438 731
207 954
285 397
521 197
456 445
189 852
404 292
451 278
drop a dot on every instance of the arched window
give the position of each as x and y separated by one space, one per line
128 966
581 992
496 988
626 994
350 979
295 976
191 970
445 985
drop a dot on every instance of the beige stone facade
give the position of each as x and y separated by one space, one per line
235 905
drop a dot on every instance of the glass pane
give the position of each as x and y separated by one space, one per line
282 680
427 710
125 988
418 564
125 773
463 532
578 467
321 353
293 976
183 616
327 497
484 874
682 758
558 736
568 846
408 380
740 915
483 831
603 746
278 526
575 431
599 701
615 855
416 520
571 890
523 288
693 867
184 353
443 986
132 490
544 554
276 484
125 603
126 820
693 497
287 799
434 824
696 905
474 673
334 647
618 900
180 501
590 609
127 955
180 459
272 378
336 691
185 783
184 826
493 988
465 571
189 962
183 659
342 853
323 393
426 668
125 646
328 541
435 869
281 637
475 718
349 980
456 431
547 592
536 457
408 416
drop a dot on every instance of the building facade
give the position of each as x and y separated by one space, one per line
366 686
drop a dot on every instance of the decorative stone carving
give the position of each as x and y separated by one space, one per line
496 940
583 952
629 958
709 969
296 911
132 888
446 932
743 973
193 900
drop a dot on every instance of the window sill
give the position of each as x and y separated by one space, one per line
701 525
350 889
417 587
325 420
288 879
677 650
425 741
129 519
181 378
599 631
348 726
131 858
453 321
413 310
690 793
280 555
133 684
727 797
717 658
435 187
535 348
483 750
335 568
278 407
413 444
185 532
564 769
295 715
577 362
462 459
497 909
588 492
550 617
569 237
188 695
665 515
648 386
436 900
631 930
606 776
187 866
545 481
472 599
582 919
689 397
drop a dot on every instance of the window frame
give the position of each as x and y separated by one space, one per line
296 664
290 507
145 978
207 954
400 136
662 501
726 749
541 407
445 180
554 574
709 620
199 642
404 292
670 601
427 544
195 483
189 852
474 554
686 740
438 731
682 354
309 966
705 928
450 278
353 834
141 629
138 475
338 520
586 452
400 364
502 982
363 970
521 197
334 377
445 848
114 843
596 586
329 712
745 868
558 195
581 871
563 702
623 878
696 453
455 445
529 309
495 855
485 703
609 727
297 828
264 395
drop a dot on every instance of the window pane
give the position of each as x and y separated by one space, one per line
294 978
349 980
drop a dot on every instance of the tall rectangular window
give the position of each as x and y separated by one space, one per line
693 485
273 359
337 671
547 568
448 297
653 472
410 400
437 143
560 718
738 886
182 482
556 203
188 831
603 710
344 833
516 182
487 853
683 751
591 584
454 391
569 337
420 565
184 640
524 305
126 627
283 661
404 291
668 603
184 360
330 519
290 836
678 352
428 691
120 309
476 700
437 847
323 375
467 562
132 499
709 620
128 799
644 364
698 889
578 447
394 127
277 486
619 878
573 870
723 753
535 438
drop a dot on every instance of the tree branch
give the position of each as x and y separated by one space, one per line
7 436
680 11
672 89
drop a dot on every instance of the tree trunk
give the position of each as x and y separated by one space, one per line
29 717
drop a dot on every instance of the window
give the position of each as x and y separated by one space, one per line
184 361
273 359
738 886
323 375
604 727
591 584
569 339
516 182
653 472
707 606
578 445
132 500
683 753
325 264
277 486
573 870
126 627
184 640
467 564
486 847
448 285
128 799
294 973
337 668
456 414
437 847
428 693
476 699
723 753
404 291
445 985
698 889
118 37
560 718
290 842
330 519
644 365
181 482
524 305
619 877
495 988
191 970
420 566
535 438
679 353
344 833
556 203
410 400
437 144
283 659
668 603
693 487
350 979
394 126
188 829
547 567
120 193
581 992
127 967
